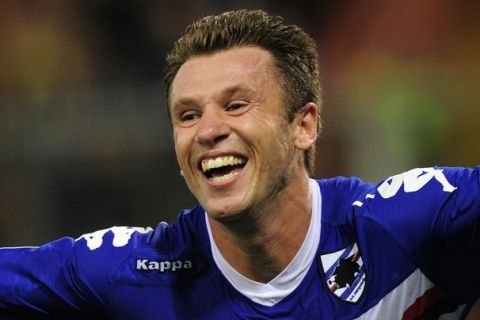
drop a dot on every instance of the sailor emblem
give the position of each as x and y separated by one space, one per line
344 273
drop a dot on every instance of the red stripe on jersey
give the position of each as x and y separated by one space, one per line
430 297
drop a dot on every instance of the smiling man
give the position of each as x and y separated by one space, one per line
266 241
242 157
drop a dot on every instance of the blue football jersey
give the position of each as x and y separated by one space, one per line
406 248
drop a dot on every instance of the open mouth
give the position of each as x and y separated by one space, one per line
221 169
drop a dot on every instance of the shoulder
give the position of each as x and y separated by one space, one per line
119 241
416 188
338 195
100 255
431 203
420 190
405 201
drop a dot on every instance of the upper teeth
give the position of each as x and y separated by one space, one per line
219 162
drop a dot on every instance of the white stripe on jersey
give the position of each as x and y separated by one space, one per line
394 304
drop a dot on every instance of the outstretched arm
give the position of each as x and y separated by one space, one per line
43 281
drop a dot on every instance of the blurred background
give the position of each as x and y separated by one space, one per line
85 142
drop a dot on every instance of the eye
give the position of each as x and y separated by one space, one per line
237 107
188 118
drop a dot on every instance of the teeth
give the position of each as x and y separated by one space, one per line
224 177
220 162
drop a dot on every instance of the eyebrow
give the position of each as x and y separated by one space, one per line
237 88
225 93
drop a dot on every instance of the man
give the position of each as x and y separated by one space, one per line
266 241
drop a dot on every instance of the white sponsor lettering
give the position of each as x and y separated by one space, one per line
413 181
176 265
162 266
142 264
121 236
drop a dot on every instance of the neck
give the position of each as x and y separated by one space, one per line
263 241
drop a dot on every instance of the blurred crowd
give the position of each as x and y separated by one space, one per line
85 141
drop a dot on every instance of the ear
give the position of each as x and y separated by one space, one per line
306 126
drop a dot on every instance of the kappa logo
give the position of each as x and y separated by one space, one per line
345 273
162 266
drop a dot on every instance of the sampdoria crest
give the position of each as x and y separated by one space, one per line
344 273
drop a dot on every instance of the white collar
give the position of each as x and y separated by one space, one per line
289 279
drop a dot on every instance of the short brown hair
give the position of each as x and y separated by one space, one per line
294 52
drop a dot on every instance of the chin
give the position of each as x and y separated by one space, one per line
225 213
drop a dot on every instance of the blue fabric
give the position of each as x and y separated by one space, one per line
425 219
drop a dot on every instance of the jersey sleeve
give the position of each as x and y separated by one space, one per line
68 278
434 214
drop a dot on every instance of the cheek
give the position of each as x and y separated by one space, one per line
181 147
276 149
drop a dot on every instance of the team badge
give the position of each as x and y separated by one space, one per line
345 273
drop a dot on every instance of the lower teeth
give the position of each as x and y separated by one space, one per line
224 177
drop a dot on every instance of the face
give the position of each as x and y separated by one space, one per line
232 140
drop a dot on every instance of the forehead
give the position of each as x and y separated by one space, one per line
207 74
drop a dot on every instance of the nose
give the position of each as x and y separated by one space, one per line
212 127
